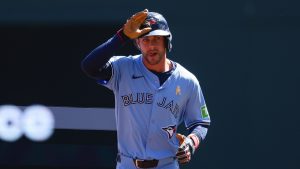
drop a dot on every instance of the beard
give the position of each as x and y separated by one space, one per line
153 57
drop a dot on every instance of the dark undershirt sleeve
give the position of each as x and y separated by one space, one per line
96 64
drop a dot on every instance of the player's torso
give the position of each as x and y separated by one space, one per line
148 111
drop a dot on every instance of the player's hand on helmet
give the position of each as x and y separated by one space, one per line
185 150
132 27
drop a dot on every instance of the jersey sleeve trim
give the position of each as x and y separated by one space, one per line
202 123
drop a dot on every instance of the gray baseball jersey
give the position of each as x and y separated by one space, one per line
147 113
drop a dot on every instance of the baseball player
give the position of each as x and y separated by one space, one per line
153 96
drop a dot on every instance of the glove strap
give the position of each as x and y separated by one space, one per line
195 140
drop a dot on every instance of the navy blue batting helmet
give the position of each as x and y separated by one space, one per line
159 27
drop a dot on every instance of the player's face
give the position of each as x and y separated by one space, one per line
153 49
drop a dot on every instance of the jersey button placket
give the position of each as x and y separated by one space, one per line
151 121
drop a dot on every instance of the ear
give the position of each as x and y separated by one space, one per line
136 43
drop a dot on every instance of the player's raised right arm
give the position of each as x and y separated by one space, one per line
95 64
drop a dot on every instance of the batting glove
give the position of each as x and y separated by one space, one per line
186 148
132 27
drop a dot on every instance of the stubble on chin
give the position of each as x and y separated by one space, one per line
152 61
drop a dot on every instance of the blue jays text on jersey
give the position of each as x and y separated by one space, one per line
147 98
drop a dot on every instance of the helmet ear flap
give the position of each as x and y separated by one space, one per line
168 43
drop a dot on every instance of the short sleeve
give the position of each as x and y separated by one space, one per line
196 110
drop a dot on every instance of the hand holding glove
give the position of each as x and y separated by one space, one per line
132 27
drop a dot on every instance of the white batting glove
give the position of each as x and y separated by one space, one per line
186 148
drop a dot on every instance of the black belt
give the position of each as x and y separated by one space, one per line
145 163
142 163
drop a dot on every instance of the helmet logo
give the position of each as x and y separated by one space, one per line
152 21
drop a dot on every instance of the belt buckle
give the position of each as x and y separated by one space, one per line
137 162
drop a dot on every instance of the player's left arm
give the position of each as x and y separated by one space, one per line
197 121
